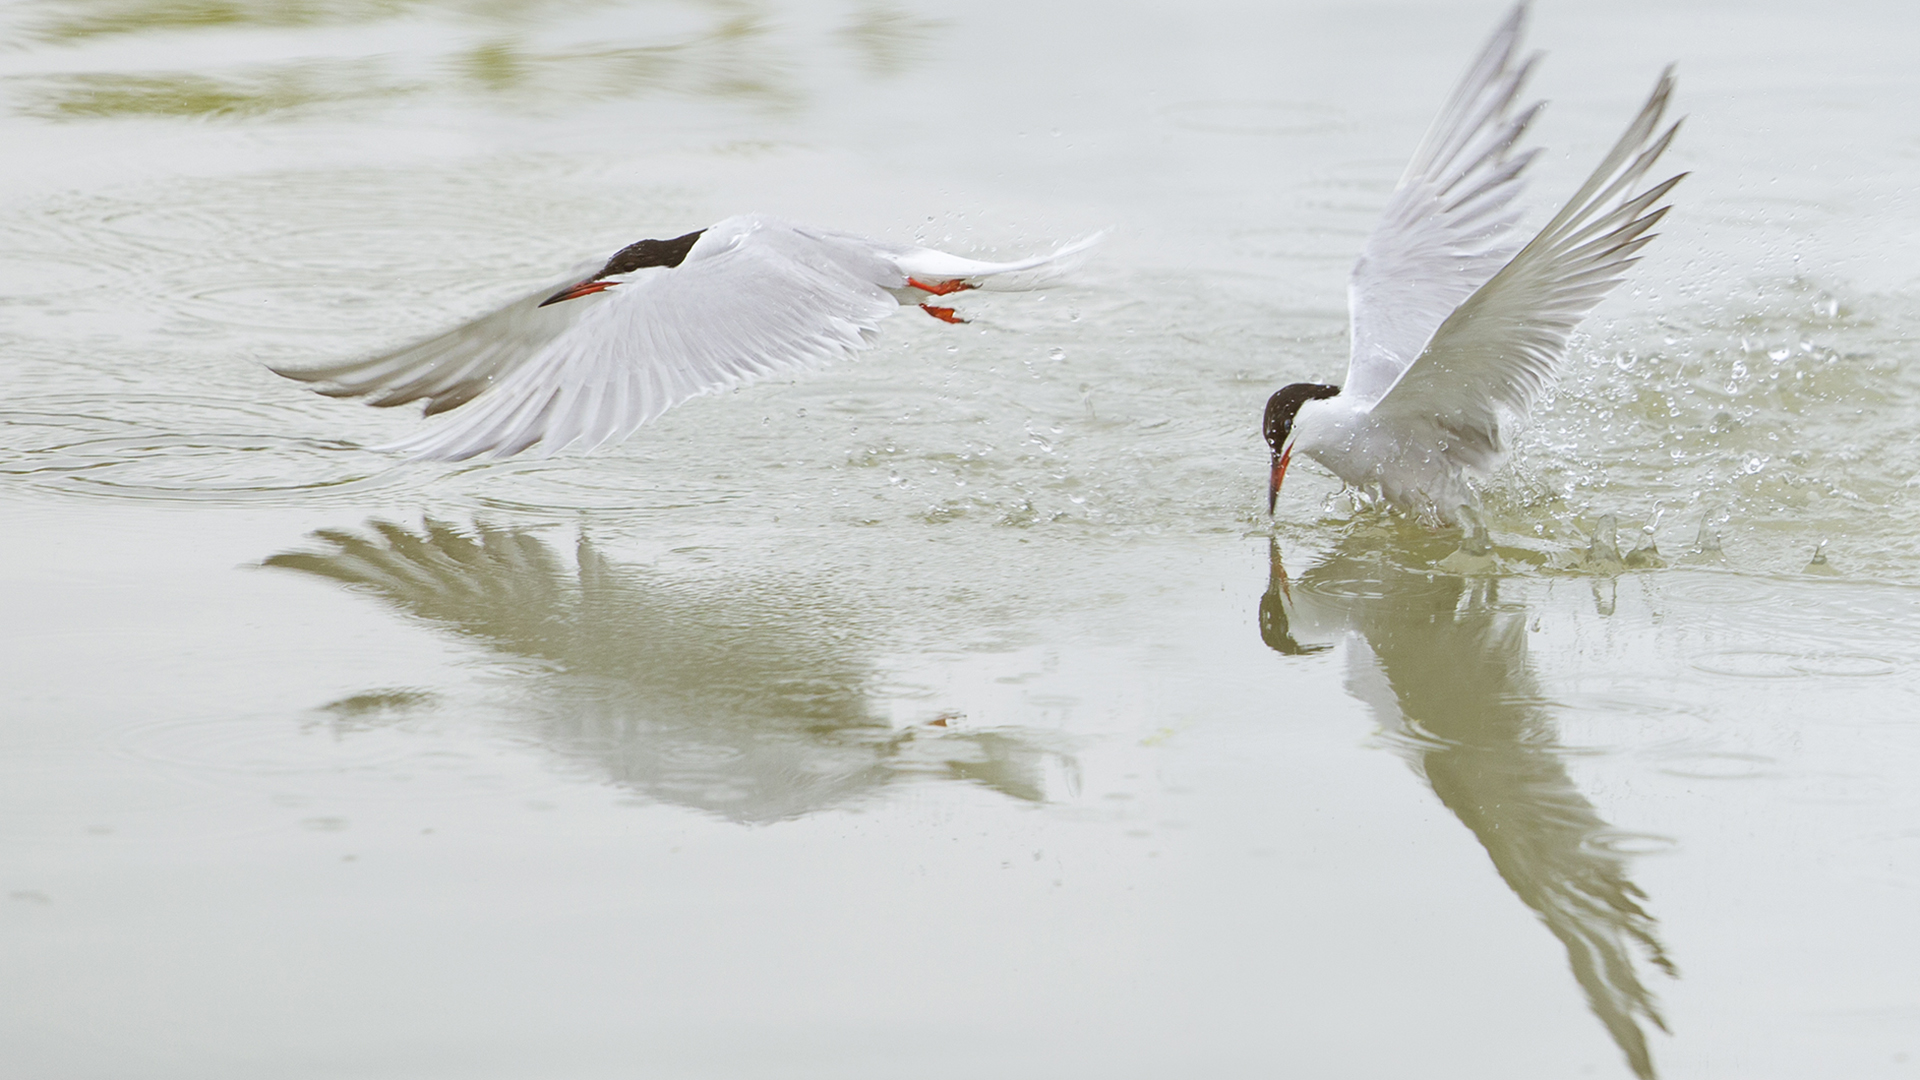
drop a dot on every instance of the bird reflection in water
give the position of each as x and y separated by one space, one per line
1443 664
740 699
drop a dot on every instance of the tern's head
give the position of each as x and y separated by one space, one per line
633 257
1282 407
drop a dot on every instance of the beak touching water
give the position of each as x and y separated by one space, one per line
1279 471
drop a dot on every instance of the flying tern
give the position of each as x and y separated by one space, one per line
1457 329
661 322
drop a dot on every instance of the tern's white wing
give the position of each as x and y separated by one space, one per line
769 299
1503 347
448 370
1445 229
753 296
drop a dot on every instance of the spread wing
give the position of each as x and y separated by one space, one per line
1503 347
1445 229
448 370
592 370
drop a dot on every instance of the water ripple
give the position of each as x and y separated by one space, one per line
1716 765
252 748
1770 664
208 452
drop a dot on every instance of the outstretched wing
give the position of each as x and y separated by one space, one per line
754 296
1501 349
769 298
449 369
1445 230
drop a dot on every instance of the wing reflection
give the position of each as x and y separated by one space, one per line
747 702
1446 671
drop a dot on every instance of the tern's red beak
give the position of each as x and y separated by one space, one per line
1279 472
574 292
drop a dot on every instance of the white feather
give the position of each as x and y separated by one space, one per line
754 296
1447 227
1501 349
1453 340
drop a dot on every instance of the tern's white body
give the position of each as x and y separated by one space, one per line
1457 327
662 322
1409 468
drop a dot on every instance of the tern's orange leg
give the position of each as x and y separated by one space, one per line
944 314
940 288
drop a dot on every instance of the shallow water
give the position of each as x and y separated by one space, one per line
956 710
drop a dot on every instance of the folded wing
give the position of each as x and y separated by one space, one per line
1445 230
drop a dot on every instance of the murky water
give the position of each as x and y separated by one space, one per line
955 711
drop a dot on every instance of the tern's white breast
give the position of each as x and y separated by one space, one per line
1410 470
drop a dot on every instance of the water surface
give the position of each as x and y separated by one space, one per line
956 710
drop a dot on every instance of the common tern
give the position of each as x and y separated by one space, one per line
1457 330
660 322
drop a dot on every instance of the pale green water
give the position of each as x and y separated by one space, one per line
949 712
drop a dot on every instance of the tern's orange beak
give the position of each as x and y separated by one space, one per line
1279 473
574 292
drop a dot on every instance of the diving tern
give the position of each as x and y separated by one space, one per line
1457 330
661 322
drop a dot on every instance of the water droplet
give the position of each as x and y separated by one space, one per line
1706 546
1475 555
1057 354
1476 542
1603 553
1645 554
1818 564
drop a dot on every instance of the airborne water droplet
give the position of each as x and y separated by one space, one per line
1706 546
1818 564
1603 553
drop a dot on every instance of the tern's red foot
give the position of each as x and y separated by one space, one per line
944 314
940 288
